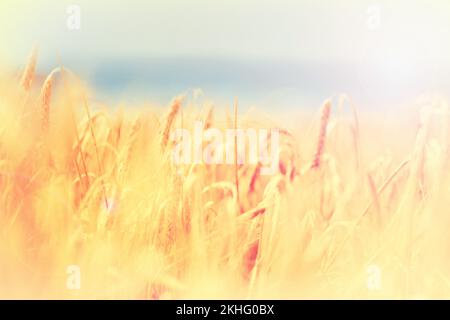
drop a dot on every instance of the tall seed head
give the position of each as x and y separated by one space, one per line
29 71
45 97
326 110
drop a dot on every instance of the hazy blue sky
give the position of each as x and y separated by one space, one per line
393 41
263 28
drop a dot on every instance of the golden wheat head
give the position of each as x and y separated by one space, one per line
326 110
174 109
29 71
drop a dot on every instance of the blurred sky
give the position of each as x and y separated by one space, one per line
368 48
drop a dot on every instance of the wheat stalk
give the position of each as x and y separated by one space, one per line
94 139
209 118
84 178
254 178
45 98
174 109
364 213
326 110
29 71
236 174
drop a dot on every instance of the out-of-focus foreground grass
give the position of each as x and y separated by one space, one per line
355 193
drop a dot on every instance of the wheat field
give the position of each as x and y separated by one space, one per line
357 194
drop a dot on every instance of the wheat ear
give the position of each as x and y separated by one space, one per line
326 110
45 98
209 118
174 109
28 74
236 174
